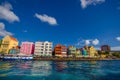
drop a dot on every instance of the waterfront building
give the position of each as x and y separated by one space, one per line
27 48
71 51
92 51
64 51
8 42
15 50
78 53
87 49
60 51
84 52
105 48
43 48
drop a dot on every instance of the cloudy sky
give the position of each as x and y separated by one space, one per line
69 22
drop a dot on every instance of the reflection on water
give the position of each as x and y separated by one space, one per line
41 68
55 70
60 66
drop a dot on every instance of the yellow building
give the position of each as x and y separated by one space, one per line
92 51
8 43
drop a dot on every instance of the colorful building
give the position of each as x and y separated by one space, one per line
84 52
43 48
64 51
87 49
14 50
78 53
92 51
71 51
8 42
60 51
27 48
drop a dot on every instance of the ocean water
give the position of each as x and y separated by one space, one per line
56 70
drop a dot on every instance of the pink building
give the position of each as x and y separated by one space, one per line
27 48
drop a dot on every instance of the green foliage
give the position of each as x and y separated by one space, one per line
116 54
99 52
106 52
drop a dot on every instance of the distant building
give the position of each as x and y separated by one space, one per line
71 51
43 48
105 48
8 42
92 51
87 49
78 53
60 51
27 48
84 52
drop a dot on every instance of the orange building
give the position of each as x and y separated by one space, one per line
60 50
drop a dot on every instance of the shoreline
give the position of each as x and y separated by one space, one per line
73 59
67 59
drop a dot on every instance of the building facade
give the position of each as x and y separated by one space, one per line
43 48
92 51
60 51
105 48
27 48
72 51
78 53
15 50
8 42
84 52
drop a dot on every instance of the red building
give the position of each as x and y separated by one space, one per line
105 48
60 50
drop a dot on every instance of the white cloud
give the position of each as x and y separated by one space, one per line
3 32
91 41
87 42
118 38
95 42
85 3
6 13
80 43
116 48
46 18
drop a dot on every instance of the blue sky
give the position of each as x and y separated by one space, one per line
69 22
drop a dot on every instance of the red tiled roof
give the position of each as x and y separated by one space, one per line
13 38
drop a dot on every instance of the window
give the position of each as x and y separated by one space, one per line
5 46
42 43
4 50
50 49
42 46
6 42
50 46
41 49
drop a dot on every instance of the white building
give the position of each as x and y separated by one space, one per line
43 48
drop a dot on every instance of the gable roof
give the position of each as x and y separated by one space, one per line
13 38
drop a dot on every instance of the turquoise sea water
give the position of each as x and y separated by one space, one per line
55 70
